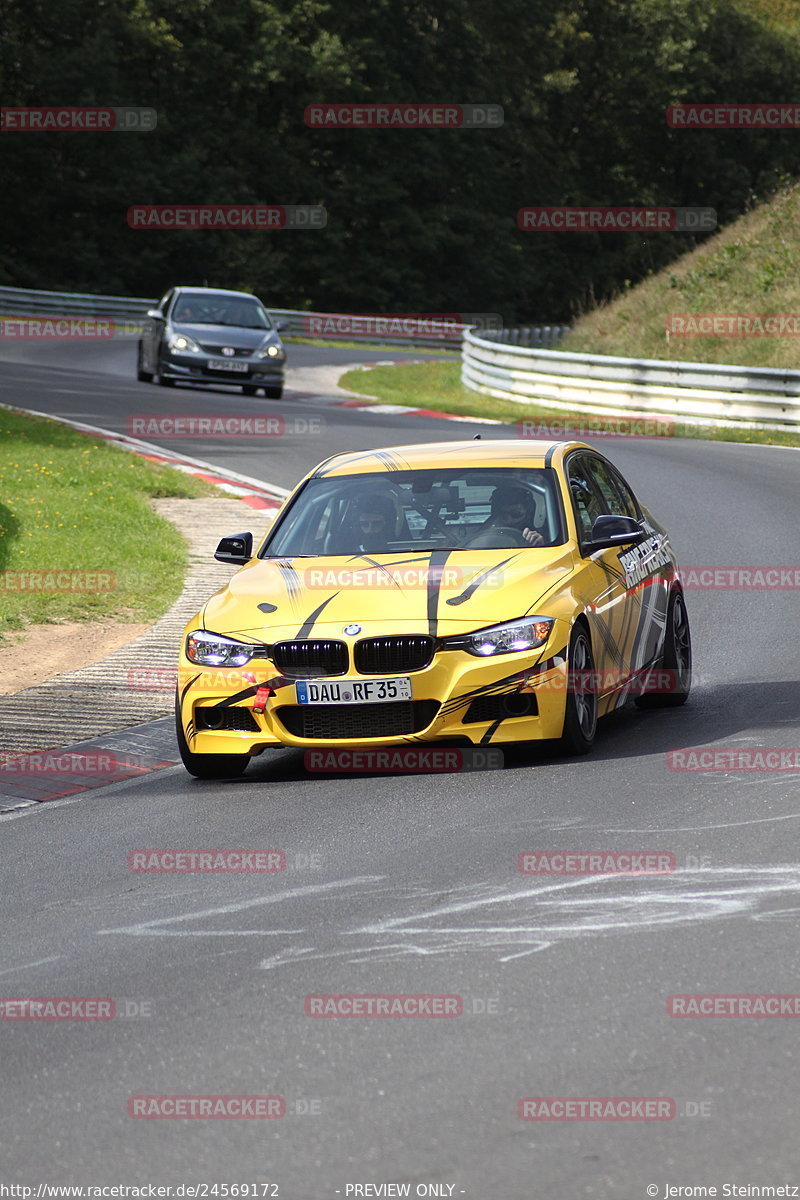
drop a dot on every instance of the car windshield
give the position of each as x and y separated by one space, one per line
454 509
220 310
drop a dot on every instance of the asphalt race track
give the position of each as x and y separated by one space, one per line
410 885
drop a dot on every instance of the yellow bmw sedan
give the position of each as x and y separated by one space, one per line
472 593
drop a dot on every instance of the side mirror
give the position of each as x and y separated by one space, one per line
609 531
235 550
155 315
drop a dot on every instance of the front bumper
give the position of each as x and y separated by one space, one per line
194 368
458 696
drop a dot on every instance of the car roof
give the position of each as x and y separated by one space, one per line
199 291
501 452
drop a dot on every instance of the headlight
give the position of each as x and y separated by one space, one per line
526 634
211 650
271 351
186 345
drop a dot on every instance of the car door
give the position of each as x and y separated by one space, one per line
639 567
602 582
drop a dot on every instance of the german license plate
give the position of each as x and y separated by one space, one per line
353 691
226 364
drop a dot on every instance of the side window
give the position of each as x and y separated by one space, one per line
628 499
606 486
584 501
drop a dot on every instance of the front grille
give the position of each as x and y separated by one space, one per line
307 659
392 655
501 708
357 720
232 720
216 352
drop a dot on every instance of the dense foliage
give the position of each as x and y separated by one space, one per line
417 220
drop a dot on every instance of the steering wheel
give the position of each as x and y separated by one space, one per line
496 536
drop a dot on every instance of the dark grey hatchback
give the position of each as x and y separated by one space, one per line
207 335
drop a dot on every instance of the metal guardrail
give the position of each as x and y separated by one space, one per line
421 331
694 393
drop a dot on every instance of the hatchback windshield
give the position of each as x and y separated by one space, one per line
220 310
416 510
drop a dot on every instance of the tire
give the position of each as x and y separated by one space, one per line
676 658
142 376
249 389
207 766
580 713
274 393
163 380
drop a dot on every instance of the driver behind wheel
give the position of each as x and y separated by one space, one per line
513 506
374 523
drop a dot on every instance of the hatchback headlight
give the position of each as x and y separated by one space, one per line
271 350
526 634
212 650
184 344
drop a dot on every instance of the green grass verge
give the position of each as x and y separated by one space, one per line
751 267
438 386
74 504
328 342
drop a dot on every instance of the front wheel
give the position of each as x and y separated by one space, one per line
164 380
580 713
142 376
249 390
207 766
274 393
673 681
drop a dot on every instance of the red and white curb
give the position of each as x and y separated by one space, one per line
251 491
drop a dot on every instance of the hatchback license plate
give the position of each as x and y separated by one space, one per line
353 691
220 364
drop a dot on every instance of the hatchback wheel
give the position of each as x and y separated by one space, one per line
142 376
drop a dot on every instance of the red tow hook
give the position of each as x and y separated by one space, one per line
261 697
